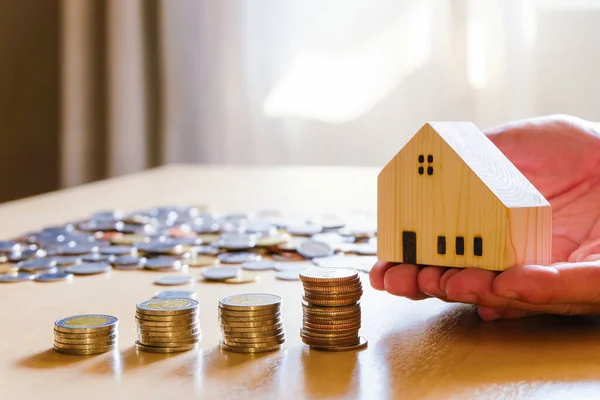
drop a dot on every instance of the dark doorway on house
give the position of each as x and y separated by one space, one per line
409 247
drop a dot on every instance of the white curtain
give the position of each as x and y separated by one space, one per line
337 81
343 82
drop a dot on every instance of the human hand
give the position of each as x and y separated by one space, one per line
560 155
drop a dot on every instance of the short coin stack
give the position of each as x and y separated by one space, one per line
85 335
331 311
167 325
251 323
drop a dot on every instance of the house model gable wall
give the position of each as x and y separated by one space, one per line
433 209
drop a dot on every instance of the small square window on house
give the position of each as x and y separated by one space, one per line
477 246
420 170
421 158
429 170
441 245
430 158
460 245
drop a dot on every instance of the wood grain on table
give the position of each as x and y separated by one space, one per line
417 350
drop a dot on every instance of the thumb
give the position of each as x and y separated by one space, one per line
561 283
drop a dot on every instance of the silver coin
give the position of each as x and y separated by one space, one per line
18 277
235 244
206 250
75 250
157 247
304 229
53 277
312 249
259 265
128 260
117 250
238 257
173 280
8 246
62 261
294 266
175 294
37 264
366 249
89 268
220 273
158 263
96 257
289 275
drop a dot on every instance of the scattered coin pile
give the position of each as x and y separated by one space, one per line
331 309
251 323
176 238
167 325
85 334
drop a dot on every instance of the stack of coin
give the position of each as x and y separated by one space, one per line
167 325
251 323
331 309
85 334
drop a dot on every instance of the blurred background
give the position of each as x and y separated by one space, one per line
91 89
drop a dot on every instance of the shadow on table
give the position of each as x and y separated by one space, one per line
50 359
127 360
460 348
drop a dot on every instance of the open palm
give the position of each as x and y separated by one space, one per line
560 155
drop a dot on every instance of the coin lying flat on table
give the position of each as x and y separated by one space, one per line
220 273
170 294
53 277
167 325
89 268
251 323
173 280
16 277
86 334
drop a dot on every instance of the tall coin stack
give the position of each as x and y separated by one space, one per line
86 334
251 323
331 310
167 325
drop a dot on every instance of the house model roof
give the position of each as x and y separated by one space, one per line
486 161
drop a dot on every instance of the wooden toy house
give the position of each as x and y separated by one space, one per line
451 198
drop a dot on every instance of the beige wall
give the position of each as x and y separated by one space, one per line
29 97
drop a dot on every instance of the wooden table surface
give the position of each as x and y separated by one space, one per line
417 350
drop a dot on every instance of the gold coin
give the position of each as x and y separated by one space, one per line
170 335
94 341
361 345
227 319
169 328
255 340
271 241
151 349
235 349
166 323
326 343
328 296
128 240
201 261
248 313
329 310
251 301
331 303
58 345
170 307
84 352
253 326
339 334
357 287
179 343
336 327
90 335
254 345
317 275
86 323
7 268
263 334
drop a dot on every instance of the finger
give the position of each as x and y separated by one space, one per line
447 275
378 272
470 285
401 280
428 280
584 250
592 257
492 314
564 283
